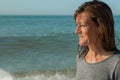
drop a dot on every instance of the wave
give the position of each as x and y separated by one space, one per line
43 77
66 74
4 75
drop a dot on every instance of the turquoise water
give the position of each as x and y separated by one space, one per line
35 46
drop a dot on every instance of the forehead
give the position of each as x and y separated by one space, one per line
83 17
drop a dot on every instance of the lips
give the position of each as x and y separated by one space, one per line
81 36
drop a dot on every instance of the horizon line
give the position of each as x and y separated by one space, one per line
43 15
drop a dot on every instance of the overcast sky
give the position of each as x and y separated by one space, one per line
47 7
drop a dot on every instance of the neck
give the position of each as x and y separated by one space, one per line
96 53
95 50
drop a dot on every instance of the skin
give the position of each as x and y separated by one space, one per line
88 33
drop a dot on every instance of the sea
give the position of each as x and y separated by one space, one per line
40 47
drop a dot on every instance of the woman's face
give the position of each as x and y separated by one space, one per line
86 30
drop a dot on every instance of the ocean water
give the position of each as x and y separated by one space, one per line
40 47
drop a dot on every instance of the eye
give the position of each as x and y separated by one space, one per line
83 25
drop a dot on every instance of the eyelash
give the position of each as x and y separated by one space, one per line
81 25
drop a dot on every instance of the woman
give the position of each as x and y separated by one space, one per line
98 59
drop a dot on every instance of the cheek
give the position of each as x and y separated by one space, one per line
90 36
93 35
86 33
84 41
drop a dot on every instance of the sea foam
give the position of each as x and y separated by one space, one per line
4 75
43 77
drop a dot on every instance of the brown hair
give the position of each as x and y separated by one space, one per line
102 16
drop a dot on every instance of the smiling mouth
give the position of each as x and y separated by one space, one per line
81 36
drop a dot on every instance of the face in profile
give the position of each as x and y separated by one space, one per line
86 29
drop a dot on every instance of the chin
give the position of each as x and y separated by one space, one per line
83 43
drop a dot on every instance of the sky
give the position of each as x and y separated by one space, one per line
48 7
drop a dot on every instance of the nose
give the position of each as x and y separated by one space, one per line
77 30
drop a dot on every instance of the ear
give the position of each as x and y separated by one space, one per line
100 30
